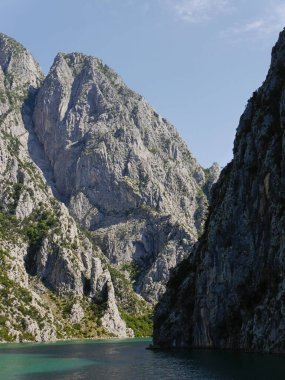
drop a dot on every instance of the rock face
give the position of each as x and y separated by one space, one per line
49 268
121 169
78 148
231 292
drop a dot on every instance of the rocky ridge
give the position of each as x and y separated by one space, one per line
123 171
78 148
54 283
230 292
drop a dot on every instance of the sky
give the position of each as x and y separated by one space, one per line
196 62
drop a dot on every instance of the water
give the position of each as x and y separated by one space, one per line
129 360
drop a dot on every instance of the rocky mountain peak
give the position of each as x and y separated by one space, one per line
18 66
52 277
122 168
103 196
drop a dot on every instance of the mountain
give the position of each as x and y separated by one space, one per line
230 292
122 170
54 282
98 196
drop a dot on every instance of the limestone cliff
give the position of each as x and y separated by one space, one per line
54 283
122 170
98 196
231 293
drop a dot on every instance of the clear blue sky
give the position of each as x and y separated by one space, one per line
196 61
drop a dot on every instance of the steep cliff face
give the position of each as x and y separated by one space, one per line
122 170
231 293
54 283
78 148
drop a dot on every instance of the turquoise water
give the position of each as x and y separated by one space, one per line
129 360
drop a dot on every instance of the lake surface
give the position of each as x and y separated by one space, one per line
129 360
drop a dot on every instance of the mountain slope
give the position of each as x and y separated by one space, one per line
54 283
122 170
230 293
98 196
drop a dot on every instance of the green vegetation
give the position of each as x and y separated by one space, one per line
207 174
15 46
35 176
142 325
17 96
149 209
136 312
89 327
38 226
16 193
200 194
17 302
115 82
9 226
133 269
13 143
32 229
132 183
10 289
13 296
105 69
3 96
4 331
